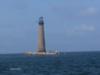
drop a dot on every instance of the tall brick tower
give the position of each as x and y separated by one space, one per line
41 37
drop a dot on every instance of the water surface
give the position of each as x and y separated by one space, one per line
78 63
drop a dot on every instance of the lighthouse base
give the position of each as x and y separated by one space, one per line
41 53
45 53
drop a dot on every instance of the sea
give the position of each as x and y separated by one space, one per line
68 63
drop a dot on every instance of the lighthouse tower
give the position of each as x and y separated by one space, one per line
41 36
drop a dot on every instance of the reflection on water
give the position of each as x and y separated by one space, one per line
64 64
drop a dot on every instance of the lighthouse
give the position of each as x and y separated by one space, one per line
41 50
41 36
41 40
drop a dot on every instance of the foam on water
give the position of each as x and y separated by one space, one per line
15 69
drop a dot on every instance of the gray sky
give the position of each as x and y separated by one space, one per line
70 25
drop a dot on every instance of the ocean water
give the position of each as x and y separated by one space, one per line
78 63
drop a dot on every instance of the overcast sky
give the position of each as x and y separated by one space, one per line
70 25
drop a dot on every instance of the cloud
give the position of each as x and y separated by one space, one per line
80 29
85 28
89 11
